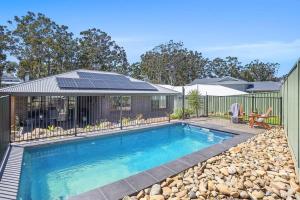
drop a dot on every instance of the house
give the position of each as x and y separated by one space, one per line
241 85
84 100
203 89
9 79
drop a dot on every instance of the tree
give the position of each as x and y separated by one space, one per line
135 71
234 67
65 50
5 46
218 68
260 71
97 51
230 66
194 101
42 47
173 64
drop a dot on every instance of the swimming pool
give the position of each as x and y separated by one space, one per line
60 170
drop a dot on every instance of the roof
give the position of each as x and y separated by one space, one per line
49 86
9 79
204 89
218 81
264 86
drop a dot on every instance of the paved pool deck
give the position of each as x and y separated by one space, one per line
9 182
226 124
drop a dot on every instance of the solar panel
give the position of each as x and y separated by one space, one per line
119 85
66 82
83 83
100 84
108 77
143 86
103 82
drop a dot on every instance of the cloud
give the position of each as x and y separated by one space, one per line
284 53
295 43
271 50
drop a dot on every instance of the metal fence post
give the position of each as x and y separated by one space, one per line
183 98
280 111
206 107
252 103
169 100
75 116
9 117
121 108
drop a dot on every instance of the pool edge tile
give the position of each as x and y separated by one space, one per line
160 173
177 166
117 190
140 180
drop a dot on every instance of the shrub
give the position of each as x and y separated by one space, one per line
125 121
194 101
88 128
179 113
51 128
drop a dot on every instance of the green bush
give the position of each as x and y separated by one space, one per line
194 101
179 112
125 121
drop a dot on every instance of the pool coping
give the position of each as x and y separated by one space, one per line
9 183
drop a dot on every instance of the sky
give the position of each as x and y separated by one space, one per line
258 29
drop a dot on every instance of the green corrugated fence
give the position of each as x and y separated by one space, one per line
257 102
219 106
291 110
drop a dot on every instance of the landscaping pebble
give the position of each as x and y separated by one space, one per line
155 190
260 168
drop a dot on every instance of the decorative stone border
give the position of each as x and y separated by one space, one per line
135 183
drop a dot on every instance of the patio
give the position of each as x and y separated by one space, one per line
225 124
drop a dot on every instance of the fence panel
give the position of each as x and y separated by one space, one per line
4 125
258 103
40 117
291 119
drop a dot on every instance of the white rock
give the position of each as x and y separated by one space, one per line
155 190
231 170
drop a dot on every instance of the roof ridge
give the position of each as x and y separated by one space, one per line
97 71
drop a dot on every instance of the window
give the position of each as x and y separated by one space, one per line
48 107
116 103
158 102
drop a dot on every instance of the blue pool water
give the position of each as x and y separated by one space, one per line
61 170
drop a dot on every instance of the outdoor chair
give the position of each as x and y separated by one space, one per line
241 114
258 119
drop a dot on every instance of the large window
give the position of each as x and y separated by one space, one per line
48 107
158 102
116 103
